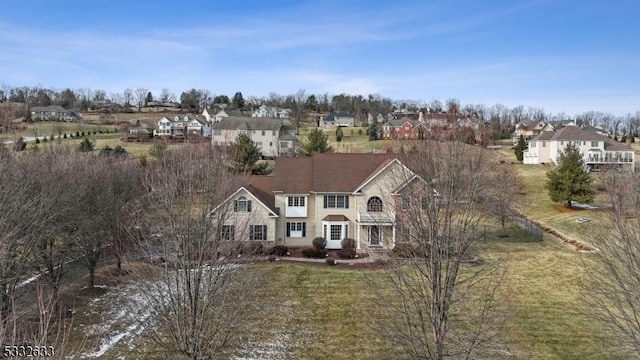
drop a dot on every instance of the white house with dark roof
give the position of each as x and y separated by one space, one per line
213 117
597 150
182 125
270 112
269 134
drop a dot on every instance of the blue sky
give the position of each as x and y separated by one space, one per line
569 56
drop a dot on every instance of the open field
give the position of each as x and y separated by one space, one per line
353 141
536 204
112 140
324 312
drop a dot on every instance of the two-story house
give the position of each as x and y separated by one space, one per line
527 129
182 125
404 128
597 150
266 133
334 196
53 113
270 112
213 117
338 118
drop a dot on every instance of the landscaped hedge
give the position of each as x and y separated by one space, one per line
314 253
278 250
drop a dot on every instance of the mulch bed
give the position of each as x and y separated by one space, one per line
333 254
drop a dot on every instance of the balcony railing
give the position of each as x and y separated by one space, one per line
615 160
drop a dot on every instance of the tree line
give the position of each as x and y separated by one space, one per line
500 117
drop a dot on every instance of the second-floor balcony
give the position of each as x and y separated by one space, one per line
608 160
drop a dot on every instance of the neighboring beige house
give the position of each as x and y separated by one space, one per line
267 133
527 129
338 118
333 196
53 113
597 150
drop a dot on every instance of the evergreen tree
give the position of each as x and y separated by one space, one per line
520 148
119 150
244 153
238 100
317 142
373 130
339 134
568 181
106 150
149 98
86 145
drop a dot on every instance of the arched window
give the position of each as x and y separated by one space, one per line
374 204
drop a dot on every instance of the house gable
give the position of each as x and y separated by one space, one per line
245 191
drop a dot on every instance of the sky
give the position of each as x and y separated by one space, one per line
565 56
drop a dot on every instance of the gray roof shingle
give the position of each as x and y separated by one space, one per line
574 133
248 123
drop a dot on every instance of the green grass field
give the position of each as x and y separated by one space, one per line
355 139
321 312
101 140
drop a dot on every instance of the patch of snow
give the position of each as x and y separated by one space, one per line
583 206
105 346
29 280
127 307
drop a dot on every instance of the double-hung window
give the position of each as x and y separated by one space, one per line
336 202
257 232
242 205
227 232
296 229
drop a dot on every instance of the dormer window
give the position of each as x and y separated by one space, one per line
242 205
374 204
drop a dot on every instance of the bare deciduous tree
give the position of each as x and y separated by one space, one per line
141 96
199 296
165 94
110 184
436 306
612 287
297 107
205 98
28 311
502 195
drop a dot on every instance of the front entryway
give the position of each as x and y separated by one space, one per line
374 235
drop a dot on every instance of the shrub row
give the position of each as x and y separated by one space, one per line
314 253
255 248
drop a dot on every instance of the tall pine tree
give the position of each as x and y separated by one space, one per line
520 148
244 153
569 181
317 142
